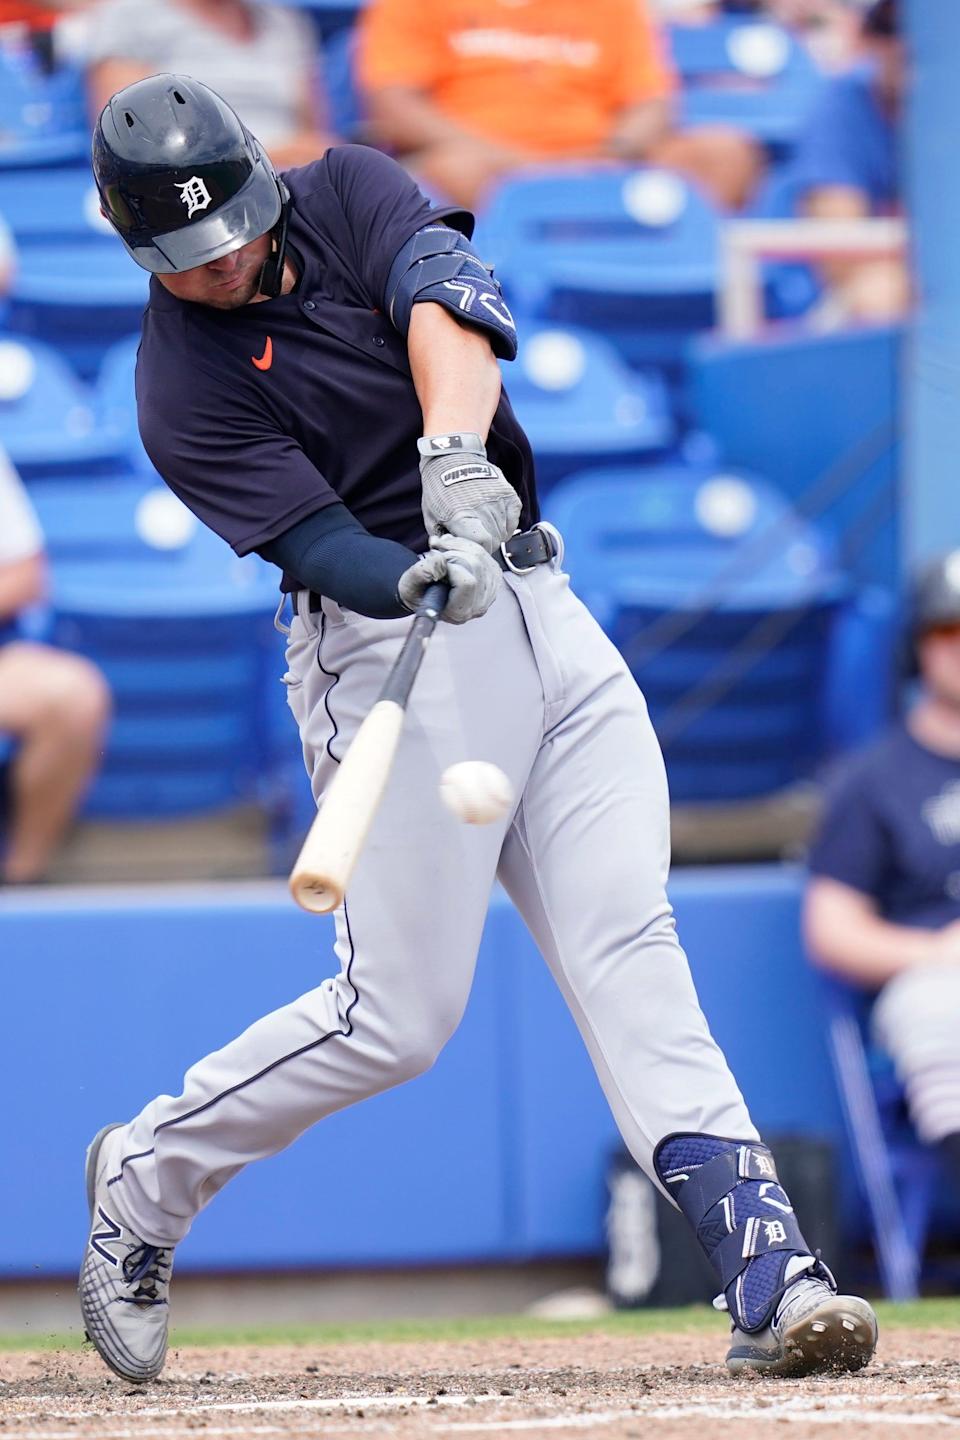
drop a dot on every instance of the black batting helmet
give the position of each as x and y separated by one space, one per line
934 599
936 593
181 179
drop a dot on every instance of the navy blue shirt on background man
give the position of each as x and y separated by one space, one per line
882 908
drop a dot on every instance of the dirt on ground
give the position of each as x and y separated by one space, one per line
605 1386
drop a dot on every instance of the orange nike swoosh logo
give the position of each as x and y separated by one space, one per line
264 361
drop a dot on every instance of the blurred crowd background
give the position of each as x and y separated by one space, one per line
696 211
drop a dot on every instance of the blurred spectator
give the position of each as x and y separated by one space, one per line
55 705
262 58
883 903
37 23
688 12
34 16
846 165
465 95
829 28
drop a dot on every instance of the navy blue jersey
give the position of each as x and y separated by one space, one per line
891 829
260 416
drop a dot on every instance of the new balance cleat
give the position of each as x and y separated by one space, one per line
124 1283
814 1331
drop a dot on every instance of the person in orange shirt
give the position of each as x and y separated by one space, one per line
466 91
22 12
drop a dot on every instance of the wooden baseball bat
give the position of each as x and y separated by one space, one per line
322 872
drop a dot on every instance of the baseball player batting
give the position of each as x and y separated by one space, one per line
318 382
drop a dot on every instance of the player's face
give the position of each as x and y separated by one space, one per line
227 283
939 655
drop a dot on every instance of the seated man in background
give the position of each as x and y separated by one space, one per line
54 705
262 58
465 94
883 902
846 165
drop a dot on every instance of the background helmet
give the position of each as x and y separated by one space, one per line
936 593
934 599
181 179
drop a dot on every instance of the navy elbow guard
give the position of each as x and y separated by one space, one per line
729 1191
440 264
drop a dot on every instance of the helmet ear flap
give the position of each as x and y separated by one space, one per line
271 276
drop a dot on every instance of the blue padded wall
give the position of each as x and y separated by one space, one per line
817 417
497 1154
740 928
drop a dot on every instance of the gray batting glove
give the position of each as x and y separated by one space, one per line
463 493
467 568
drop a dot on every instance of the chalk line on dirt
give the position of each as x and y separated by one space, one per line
814 1409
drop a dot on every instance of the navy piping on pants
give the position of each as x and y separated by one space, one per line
304 1049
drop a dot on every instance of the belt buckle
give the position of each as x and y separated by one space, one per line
515 569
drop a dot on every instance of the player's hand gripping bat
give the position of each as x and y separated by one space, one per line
334 841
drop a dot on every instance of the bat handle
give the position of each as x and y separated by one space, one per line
400 680
434 599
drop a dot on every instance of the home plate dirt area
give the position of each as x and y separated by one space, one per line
593 1384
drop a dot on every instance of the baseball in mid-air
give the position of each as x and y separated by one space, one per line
476 791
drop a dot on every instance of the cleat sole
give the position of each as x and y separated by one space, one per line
837 1338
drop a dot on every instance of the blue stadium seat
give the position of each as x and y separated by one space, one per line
722 601
580 405
75 287
183 631
343 99
48 425
817 415
79 299
115 400
43 115
57 204
897 1176
791 286
757 77
862 661
631 253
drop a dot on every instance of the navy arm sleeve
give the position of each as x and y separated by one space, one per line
852 844
331 553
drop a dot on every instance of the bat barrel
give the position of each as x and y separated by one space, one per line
320 876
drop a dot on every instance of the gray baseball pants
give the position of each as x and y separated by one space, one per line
537 688
917 1020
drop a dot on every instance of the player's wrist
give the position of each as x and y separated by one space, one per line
449 442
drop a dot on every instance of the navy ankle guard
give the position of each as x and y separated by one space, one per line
728 1190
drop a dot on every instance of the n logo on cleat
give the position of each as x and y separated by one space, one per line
100 1238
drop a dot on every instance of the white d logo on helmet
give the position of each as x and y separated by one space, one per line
194 195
